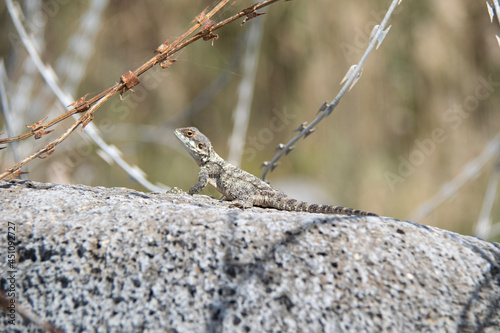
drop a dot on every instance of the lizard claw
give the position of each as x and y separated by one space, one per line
175 190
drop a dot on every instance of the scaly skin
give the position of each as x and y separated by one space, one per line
240 187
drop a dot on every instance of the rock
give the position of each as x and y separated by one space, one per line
114 259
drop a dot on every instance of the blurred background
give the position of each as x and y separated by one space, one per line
415 138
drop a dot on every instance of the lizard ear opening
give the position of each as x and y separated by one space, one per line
200 146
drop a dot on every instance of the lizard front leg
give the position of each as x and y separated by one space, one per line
202 182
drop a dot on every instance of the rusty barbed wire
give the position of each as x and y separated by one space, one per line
165 58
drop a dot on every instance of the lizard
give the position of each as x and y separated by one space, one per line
240 187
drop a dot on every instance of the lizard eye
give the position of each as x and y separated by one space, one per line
189 133
200 146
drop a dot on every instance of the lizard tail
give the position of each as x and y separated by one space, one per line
290 204
344 210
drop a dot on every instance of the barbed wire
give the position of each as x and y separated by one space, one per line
470 171
165 51
51 80
377 36
484 227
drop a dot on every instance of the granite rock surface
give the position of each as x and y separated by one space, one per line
93 259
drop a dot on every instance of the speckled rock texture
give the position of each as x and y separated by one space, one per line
92 259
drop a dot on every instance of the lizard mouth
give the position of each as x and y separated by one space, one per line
180 136
178 133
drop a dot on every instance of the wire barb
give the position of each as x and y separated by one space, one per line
250 13
381 35
163 47
309 132
129 80
353 75
493 10
301 127
79 102
322 108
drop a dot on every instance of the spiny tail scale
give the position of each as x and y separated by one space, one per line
284 202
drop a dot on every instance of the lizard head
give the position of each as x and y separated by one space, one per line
196 143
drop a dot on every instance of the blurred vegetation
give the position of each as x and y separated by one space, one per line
432 59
